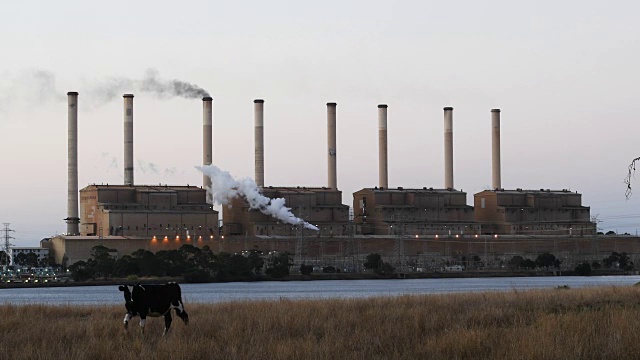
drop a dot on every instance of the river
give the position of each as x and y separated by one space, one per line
320 289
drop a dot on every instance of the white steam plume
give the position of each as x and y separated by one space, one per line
224 188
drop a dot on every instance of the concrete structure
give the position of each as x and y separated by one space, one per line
529 212
448 148
72 219
332 178
496 181
258 107
146 211
383 173
425 211
128 139
319 206
207 140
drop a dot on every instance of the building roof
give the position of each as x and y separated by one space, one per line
425 190
150 188
530 191
299 189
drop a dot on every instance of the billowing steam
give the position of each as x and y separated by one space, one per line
151 83
224 188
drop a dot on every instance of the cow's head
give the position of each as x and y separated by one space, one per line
128 297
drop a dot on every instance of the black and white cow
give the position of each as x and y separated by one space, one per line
153 300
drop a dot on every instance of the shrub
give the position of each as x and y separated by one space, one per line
583 269
197 276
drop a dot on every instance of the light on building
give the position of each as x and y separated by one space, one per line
436 236
166 239
457 235
495 236
416 236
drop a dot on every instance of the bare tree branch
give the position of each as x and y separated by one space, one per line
631 174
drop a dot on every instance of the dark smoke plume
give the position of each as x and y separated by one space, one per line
151 83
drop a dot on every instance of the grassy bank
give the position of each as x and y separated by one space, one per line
551 324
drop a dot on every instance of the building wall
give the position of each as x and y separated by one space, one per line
319 206
146 211
71 249
413 211
528 212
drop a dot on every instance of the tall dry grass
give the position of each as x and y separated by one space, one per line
600 323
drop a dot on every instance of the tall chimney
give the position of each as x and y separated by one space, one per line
207 141
383 175
128 139
258 108
495 149
72 219
331 143
448 148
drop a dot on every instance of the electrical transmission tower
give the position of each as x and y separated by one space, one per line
298 259
398 246
7 244
351 251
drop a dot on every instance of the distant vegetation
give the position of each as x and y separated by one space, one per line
561 323
202 265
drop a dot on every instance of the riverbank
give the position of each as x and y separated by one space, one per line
319 277
557 323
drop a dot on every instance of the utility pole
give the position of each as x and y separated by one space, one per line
7 244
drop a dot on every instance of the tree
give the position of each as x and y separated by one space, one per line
374 262
81 271
4 258
630 174
618 260
545 260
101 261
26 259
516 262
278 265
583 269
306 269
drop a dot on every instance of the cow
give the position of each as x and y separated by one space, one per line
153 300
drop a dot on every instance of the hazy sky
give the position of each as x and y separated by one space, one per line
565 75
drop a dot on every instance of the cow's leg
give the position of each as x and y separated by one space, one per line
126 320
179 306
143 320
167 322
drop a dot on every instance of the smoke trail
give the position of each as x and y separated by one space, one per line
224 188
30 87
151 83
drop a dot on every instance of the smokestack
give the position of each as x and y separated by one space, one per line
258 108
331 144
72 219
383 176
448 148
207 141
495 149
128 139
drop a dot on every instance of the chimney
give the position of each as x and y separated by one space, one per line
383 175
258 108
207 141
128 139
448 148
495 149
331 144
72 219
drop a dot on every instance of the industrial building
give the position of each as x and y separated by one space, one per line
531 212
146 211
399 211
320 206
127 217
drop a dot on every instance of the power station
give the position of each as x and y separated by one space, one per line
129 216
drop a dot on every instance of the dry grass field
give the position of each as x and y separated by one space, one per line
600 323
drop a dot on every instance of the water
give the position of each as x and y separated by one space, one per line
325 289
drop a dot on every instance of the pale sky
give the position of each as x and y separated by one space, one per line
565 75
